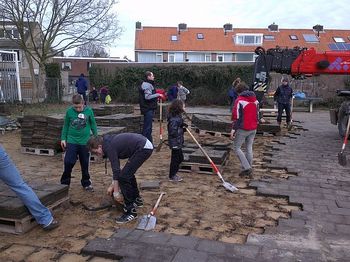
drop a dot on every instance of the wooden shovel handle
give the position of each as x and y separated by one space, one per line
157 204
206 155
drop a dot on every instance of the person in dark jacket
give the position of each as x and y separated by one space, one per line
82 86
232 93
172 93
283 97
245 115
148 103
137 149
176 138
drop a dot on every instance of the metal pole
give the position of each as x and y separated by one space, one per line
17 77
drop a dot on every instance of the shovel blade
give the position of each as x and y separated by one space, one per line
151 224
229 187
143 222
342 159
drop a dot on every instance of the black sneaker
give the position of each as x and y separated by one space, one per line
126 218
246 173
138 202
175 178
53 224
89 188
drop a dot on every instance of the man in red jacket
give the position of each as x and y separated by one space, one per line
245 122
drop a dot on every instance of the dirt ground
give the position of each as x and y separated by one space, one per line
199 206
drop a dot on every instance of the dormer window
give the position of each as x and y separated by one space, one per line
174 38
338 39
248 39
200 36
269 37
293 37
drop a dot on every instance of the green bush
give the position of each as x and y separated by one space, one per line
208 84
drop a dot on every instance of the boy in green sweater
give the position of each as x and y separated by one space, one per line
78 123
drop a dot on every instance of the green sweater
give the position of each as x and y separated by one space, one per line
77 126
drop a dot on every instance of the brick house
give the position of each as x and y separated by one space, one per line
227 44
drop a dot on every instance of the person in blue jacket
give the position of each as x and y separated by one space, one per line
82 86
172 93
232 93
283 97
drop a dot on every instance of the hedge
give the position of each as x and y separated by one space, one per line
208 84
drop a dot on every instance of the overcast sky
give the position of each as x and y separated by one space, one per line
215 13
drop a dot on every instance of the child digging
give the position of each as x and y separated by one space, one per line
176 128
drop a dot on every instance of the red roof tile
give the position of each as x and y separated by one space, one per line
159 39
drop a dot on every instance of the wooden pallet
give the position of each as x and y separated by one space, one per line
201 168
38 151
23 225
203 132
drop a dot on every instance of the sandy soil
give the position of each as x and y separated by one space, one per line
199 206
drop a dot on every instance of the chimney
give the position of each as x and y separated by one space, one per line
273 27
138 25
227 28
182 27
318 28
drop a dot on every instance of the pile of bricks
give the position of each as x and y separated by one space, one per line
133 123
41 131
103 110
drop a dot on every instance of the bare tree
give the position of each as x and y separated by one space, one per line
49 27
92 49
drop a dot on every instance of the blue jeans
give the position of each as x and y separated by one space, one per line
247 137
147 125
70 158
11 177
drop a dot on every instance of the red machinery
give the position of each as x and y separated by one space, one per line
300 63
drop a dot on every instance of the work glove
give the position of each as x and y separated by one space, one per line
162 96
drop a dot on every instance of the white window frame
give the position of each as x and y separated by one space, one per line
171 57
239 39
339 39
207 57
200 36
218 56
161 57
269 37
174 38
293 37
66 64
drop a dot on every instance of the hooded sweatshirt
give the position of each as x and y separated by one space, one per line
245 111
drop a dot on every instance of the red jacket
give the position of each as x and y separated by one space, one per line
245 112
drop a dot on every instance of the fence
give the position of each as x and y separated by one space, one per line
10 86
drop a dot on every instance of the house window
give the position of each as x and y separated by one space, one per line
159 58
200 36
244 57
248 39
171 58
67 66
293 37
220 58
311 38
338 39
207 58
15 34
174 38
269 37
2 33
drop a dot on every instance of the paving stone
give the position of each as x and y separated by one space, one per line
154 237
189 255
211 246
159 253
135 235
149 184
246 251
122 232
16 253
183 241
42 255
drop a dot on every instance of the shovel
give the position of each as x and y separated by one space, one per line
160 126
148 222
341 154
226 185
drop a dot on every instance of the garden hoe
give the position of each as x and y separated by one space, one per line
341 154
148 222
226 185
